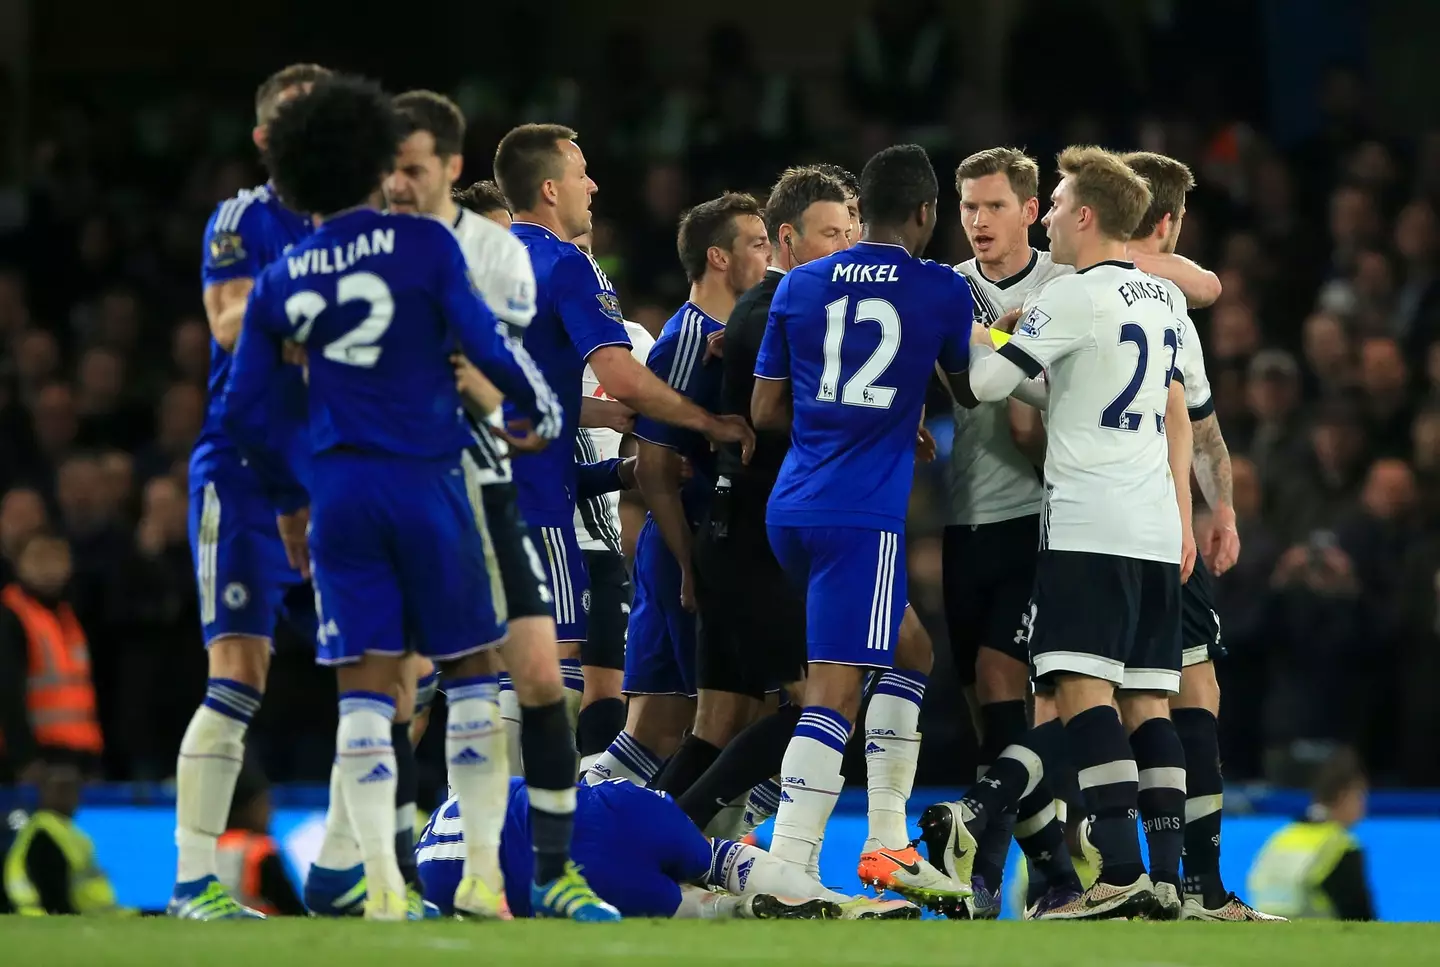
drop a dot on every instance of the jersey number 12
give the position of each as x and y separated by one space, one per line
1117 416
860 389
358 346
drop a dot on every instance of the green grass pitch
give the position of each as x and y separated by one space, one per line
63 941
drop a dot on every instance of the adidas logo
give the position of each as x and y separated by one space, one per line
873 749
742 873
378 774
467 757
785 796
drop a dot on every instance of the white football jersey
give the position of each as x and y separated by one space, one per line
1106 338
1190 358
990 480
500 268
597 519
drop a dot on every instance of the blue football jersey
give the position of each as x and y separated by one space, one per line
858 334
245 234
678 357
576 313
380 302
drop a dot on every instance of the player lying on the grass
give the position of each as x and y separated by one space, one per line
642 854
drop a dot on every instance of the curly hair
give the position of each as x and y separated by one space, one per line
330 149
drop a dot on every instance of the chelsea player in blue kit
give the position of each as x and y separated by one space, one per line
850 345
724 249
244 580
644 855
400 553
542 172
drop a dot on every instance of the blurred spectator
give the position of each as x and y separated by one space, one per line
1315 491
55 427
1386 385
179 418
105 416
47 697
1236 333
1272 391
190 351
22 514
1417 306
1318 679
1328 355
153 609
37 361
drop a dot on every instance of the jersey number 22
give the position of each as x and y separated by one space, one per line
358 346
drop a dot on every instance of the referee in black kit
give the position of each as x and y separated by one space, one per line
752 621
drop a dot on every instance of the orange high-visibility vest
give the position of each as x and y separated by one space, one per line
60 695
238 857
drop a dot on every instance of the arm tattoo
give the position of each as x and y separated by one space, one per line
1212 462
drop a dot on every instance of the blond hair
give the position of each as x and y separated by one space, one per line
1103 183
1169 182
1018 168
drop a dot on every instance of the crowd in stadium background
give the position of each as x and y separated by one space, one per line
1324 350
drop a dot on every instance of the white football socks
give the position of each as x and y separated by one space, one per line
479 773
367 769
339 850
812 782
892 751
211 754
624 759
741 869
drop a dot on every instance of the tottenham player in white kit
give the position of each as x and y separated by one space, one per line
1116 540
995 489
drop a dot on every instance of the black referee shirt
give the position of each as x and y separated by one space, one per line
743 333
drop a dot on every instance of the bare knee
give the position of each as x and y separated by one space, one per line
601 683
1199 688
372 673
241 658
835 687
1137 708
719 716
914 651
658 722
534 666
1000 678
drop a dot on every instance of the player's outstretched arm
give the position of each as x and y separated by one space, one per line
992 375
606 414
1211 460
657 472
1200 286
1180 442
647 394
